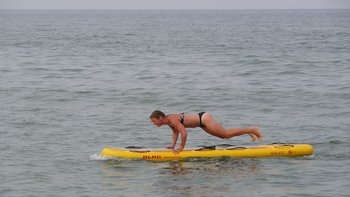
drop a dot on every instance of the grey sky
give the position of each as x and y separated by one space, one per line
174 4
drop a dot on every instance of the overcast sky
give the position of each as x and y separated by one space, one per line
174 4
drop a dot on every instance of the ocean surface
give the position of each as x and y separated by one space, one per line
74 82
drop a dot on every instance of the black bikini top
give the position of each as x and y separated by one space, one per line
182 120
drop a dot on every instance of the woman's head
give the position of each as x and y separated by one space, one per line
157 117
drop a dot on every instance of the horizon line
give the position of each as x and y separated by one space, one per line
180 9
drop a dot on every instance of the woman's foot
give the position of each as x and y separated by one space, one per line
253 137
255 131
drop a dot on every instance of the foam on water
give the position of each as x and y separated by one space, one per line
98 157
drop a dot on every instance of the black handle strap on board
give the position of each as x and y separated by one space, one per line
134 147
206 148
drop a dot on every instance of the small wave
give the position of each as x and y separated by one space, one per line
75 70
336 142
98 157
330 157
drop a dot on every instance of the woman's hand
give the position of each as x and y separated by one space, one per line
169 147
177 151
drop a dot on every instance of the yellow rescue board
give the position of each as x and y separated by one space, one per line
269 150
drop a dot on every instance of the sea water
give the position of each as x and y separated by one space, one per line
73 82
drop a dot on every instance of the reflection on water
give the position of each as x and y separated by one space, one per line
204 177
193 177
176 168
236 167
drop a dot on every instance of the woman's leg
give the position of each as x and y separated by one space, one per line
213 127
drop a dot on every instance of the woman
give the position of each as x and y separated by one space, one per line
179 122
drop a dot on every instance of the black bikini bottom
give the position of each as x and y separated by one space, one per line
200 119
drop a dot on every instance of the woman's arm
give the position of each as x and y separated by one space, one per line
175 124
174 140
